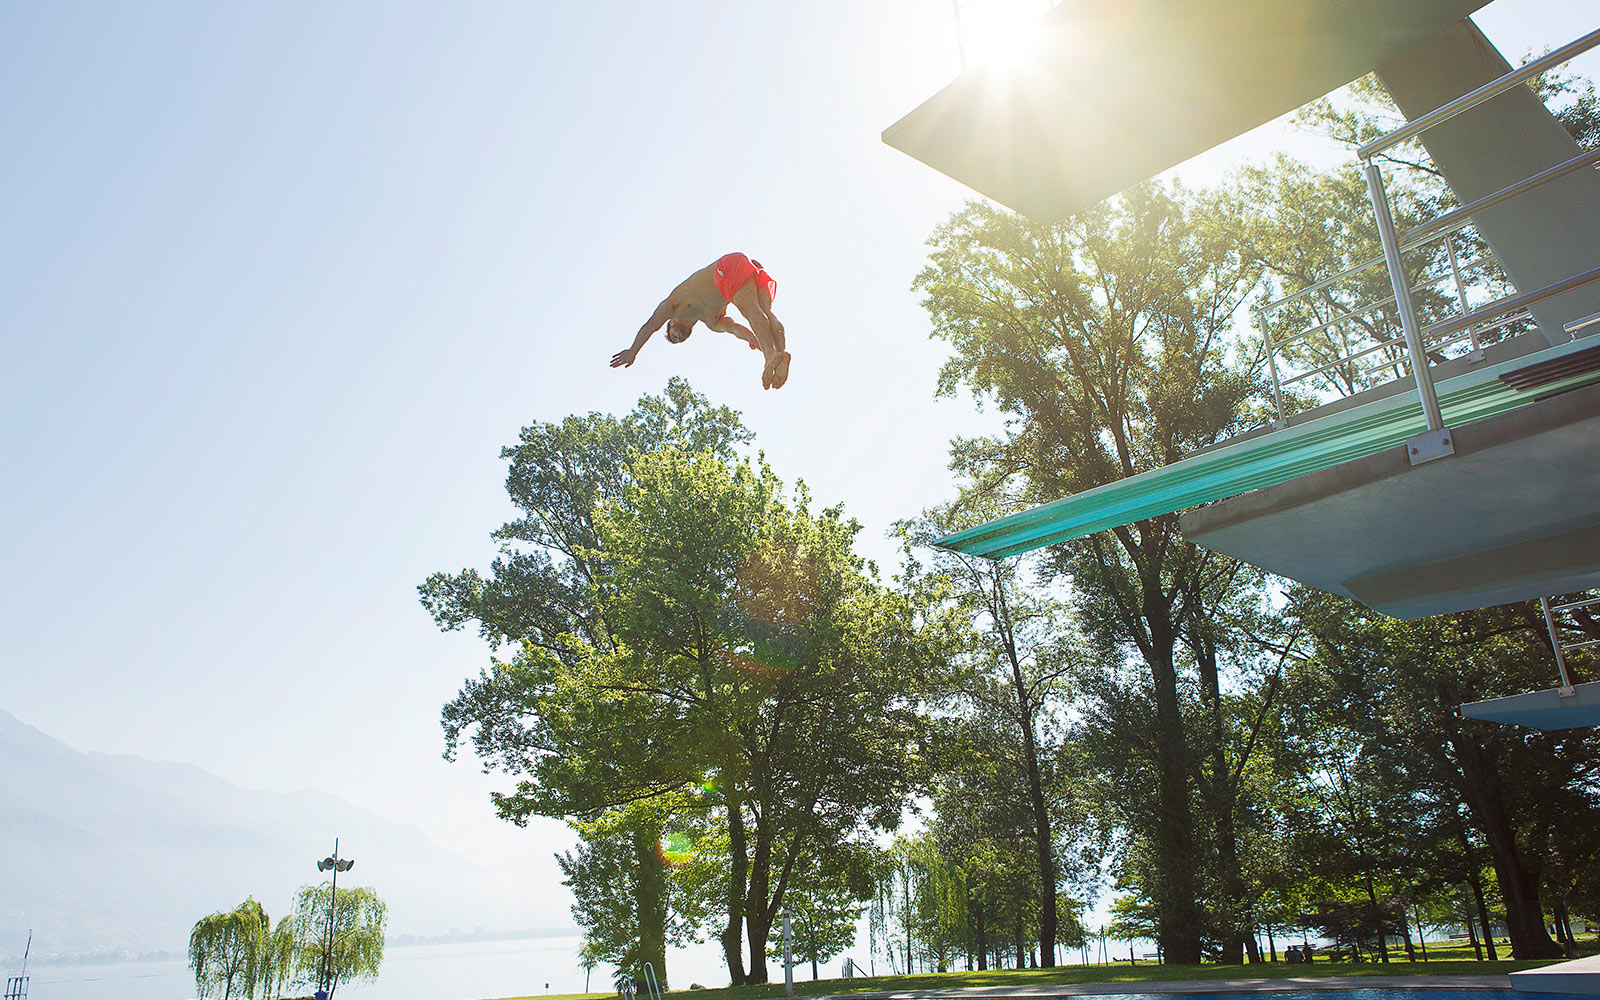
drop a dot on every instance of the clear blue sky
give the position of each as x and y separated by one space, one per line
280 280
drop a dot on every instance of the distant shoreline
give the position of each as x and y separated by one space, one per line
398 941
471 937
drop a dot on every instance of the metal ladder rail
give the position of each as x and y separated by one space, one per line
1560 647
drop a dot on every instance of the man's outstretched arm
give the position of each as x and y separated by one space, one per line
625 358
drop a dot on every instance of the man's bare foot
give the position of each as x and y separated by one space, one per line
780 370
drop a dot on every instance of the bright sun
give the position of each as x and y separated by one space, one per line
999 33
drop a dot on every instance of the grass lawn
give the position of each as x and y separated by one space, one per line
1444 961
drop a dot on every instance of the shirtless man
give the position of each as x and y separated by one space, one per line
704 296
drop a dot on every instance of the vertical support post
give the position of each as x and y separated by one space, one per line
1555 644
1435 442
1461 297
1272 367
788 966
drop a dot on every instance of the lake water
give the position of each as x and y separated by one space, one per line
476 971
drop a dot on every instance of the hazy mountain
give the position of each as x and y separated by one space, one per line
101 852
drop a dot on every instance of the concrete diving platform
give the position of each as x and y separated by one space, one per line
1511 516
1579 977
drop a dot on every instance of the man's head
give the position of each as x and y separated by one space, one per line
678 330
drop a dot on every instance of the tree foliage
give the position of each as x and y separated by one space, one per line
688 640
348 948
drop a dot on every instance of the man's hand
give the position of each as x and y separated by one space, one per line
624 359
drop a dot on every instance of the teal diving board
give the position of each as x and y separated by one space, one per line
1270 459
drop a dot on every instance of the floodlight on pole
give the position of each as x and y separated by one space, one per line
335 864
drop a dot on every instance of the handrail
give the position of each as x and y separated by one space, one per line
1510 302
1421 343
1425 282
650 981
1483 93
1582 324
1539 179
1405 245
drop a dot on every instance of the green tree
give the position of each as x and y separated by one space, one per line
526 716
279 963
687 636
1104 339
1014 670
769 641
1394 687
229 952
351 949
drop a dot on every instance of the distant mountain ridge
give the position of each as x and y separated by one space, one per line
103 852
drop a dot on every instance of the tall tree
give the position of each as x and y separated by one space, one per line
542 595
229 952
1104 339
756 624
684 629
1395 687
1014 671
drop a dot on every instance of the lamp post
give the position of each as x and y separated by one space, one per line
335 864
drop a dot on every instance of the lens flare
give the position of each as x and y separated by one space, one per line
676 849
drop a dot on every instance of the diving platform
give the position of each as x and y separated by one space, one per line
1553 708
1579 977
1107 93
1335 502
1467 479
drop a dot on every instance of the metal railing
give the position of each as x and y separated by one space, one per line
1477 278
1560 646
1399 350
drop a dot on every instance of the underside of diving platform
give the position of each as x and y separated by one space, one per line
1554 708
1510 516
1110 92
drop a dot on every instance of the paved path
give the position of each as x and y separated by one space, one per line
1196 986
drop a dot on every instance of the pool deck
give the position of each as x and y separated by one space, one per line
1241 985
1581 975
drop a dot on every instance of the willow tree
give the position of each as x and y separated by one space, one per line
1105 340
347 947
229 952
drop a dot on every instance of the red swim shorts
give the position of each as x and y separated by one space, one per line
734 269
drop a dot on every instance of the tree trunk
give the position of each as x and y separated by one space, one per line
983 941
1476 881
1472 935
757 910
1178 916
1516 870
1044 847
1563 927
651 902
1021 941
1377 911
732 945
1220 799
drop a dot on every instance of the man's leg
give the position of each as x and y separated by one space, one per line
761 324
780 367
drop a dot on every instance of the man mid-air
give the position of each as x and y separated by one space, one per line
704 296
